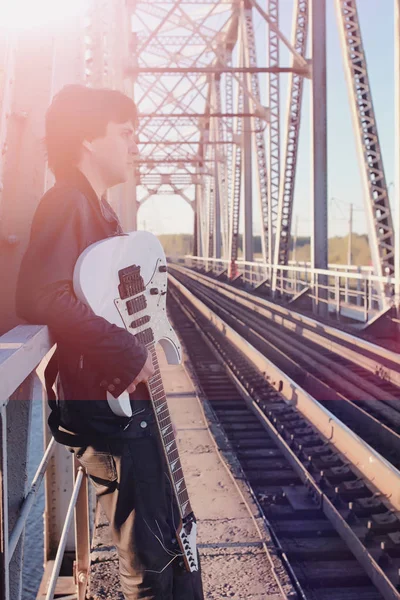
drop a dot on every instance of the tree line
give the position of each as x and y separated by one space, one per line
179 244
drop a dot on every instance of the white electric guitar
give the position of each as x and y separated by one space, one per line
124 280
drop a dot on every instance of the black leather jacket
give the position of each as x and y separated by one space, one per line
90 350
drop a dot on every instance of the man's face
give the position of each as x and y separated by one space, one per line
113 154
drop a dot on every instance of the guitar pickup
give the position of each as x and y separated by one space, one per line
145 337
136 304
140 321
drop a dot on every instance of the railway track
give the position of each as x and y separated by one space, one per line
355 382
320 509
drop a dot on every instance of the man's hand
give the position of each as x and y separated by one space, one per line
144 375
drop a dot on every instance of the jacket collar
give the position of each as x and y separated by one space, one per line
76 178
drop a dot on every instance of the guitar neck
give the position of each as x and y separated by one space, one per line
170 448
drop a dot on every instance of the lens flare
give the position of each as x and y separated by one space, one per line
28 14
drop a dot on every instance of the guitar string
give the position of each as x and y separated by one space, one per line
163 569
169 552
156 375
156 384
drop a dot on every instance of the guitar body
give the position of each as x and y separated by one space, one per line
124 280
96 283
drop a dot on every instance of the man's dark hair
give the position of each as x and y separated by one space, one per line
79 113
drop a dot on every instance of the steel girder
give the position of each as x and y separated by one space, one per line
287 183
381 234
274 125
257 125
221 227
235 169
397 151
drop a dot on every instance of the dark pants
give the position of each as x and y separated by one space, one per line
135 493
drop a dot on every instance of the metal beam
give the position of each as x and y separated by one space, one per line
235 166
258 137
319 239
397 152
381 236
293 120
215 70
247 162
274 125
213 115
181 143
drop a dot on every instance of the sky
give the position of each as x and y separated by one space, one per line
170 214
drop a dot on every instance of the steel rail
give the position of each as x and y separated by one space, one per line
373 420
363 458
316 377
387 479
373 358
353 382
212 418
238 370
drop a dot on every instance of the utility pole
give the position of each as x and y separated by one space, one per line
349 247
349 253
296 229
294 272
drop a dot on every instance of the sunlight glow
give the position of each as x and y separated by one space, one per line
28 14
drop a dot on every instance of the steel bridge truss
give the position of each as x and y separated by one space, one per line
196 85
204 128
205 134
381 234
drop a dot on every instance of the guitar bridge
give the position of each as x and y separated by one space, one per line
131 282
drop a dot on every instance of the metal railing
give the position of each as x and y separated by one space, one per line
24 352
345 290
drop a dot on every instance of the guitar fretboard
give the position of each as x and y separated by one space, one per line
132 286
168 440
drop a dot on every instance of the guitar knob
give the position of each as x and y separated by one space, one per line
163 269
153 291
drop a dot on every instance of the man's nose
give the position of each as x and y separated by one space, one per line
133 149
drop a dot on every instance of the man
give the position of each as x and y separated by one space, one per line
90 140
